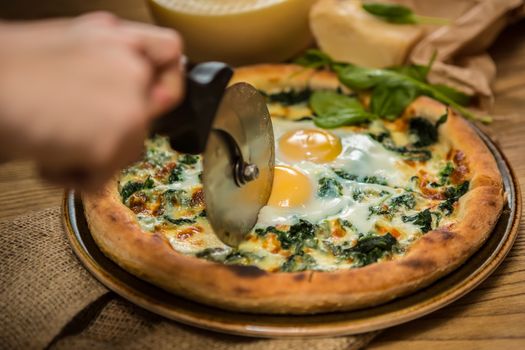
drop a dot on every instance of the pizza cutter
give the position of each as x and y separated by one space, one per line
231 126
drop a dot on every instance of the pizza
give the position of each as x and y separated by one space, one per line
358 215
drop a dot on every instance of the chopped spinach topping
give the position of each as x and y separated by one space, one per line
407 200
188 159
358 194
241 258
270 229
407 152
135 186
227 256
424 132
422 219
214 254
156 156
329 187
174 197
180 221
176 174
444 174
288 98
299 262
298 236
378 180
368 249
453 193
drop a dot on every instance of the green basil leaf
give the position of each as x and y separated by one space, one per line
442 119
314 59
360 78
333 110
399 14
414 71
453 94
393 13
390 100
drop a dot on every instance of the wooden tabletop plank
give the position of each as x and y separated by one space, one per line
490 317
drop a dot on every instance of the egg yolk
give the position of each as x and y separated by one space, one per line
315 145
291 188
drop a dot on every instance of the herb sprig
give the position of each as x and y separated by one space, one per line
399 14
392 90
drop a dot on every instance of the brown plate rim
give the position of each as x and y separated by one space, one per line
344 323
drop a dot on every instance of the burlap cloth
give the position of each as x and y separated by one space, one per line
48 300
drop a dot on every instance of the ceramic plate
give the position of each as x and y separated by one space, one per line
423 302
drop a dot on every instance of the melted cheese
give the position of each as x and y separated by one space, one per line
375 194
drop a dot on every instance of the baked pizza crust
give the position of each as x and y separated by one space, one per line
250 289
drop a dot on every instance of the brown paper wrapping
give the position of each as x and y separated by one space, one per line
462 61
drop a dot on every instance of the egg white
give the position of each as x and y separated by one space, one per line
360 155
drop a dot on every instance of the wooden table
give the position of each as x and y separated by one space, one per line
490 317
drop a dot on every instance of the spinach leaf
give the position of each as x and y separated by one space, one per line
424 132
188 159
270 229
135 186
453 194
241 258
176 174
378 180
299 262
453 94
411 79
391 98
334 110
407 200
329 187
368 249
291 97
422 219
227 256
314 59
299 235
399 14
359 78
444 174
213 254
179 221
416 71
408 153
390 207
442 119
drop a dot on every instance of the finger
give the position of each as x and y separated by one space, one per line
167 90
100 17
161 46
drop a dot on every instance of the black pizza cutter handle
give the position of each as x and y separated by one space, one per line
189 124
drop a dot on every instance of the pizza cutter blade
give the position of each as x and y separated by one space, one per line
232 126
238 163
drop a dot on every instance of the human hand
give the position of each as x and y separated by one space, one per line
77 95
